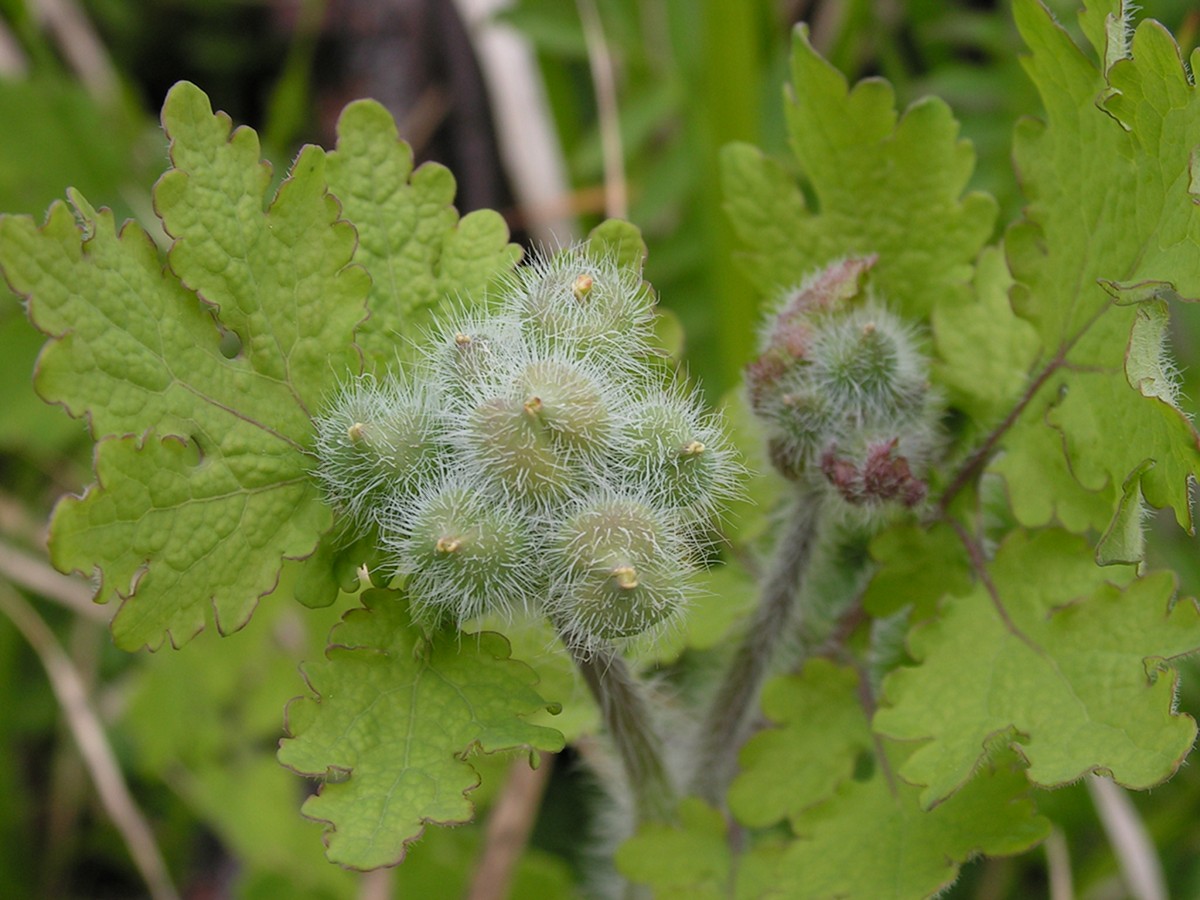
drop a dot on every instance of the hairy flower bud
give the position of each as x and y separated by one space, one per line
467 350
508 443
464 555
536 459
568 401
575 300
678 456
842 385
377 441
621 570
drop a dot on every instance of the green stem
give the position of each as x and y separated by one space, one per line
626 712
733 709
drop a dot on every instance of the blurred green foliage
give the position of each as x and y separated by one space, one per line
691 76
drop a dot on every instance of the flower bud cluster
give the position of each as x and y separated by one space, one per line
843 388
537 458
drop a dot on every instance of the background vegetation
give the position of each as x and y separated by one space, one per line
635 98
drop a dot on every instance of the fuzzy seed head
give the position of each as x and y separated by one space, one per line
535 458
518 453
464 355
378 440
463 555
866 362
623 571
568 401
678 456
573 299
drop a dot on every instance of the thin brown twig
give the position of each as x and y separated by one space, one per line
1141 869
604 83
529 145
508 828
378 884
81 46
979 564
977 460
1058 865
13 61
17 523
866 699
93 744
32 574
834 645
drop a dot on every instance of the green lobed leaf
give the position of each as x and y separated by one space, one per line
1124 225
619 240
423 259
822 731
874 841
1072 668
681 860
202 463
691 858
917 567
985 385
867 837
1125 539
279 280
883 184
393 716
535 642
722 595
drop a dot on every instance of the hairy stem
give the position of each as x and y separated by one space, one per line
732 712
625 710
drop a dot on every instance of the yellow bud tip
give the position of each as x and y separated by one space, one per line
447 545
356 431
868 329
582 286
533 406
462 340
626 577
692 448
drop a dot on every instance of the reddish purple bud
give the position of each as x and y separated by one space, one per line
843 475
886 475
762 379
829 288
883 476
789 336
